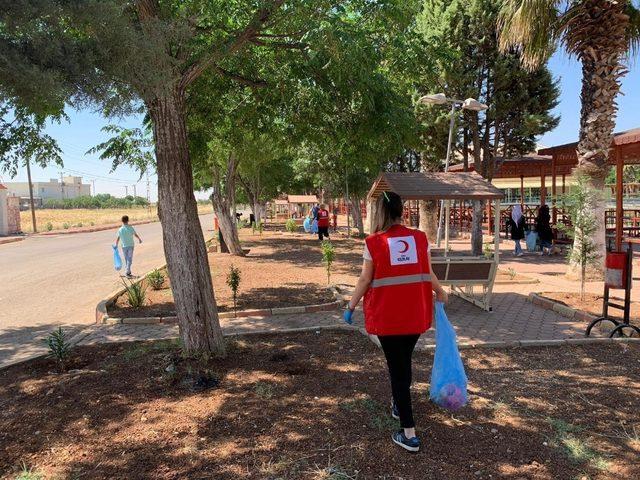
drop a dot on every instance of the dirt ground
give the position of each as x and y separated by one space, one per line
281 270
315 406
592 303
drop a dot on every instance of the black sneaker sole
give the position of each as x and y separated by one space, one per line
406 447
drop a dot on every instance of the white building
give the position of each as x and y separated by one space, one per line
70 187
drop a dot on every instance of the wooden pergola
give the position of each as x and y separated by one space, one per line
624 150
461 272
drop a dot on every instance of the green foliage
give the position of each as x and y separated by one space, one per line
260 226
59 347
101 200
155 279
520 102
291 226
328 256
127 146
65 225
136 293
584 224
265 390
48 227
233 281
22 138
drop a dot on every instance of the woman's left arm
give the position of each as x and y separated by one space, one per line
366 276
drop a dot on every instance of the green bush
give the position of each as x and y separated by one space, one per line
233 281
260 227
48 227
155 279
328 256
102 200
291 226
65 225
136 294
59 347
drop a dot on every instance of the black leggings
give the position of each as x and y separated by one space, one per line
398 350
323 231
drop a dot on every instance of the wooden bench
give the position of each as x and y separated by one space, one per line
470 277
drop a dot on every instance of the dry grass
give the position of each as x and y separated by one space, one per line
85 217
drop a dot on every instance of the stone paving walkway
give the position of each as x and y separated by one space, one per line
513 319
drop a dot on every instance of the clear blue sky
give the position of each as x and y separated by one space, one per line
83 132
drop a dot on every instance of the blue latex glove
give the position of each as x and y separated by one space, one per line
347 316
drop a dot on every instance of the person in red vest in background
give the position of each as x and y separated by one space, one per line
323 222
397 283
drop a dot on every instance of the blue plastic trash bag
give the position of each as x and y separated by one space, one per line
314 226
307 224
448 380
117 261
532 240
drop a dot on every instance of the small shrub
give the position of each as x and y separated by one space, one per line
265 390
260 227
291 226
512 273
92 223
136 294
328 256
233 281
65 225
79 224
48 227
487 250
155 279
59 347
27 473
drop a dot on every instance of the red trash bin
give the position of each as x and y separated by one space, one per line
615 275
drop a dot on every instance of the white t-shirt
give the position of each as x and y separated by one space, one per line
367 255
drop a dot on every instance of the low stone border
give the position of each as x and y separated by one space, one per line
4 241
95 228
102 316
560 309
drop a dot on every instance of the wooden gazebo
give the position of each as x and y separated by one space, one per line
461 272
624 150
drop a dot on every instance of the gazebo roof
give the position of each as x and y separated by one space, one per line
435 186
531 165
302 199
626 144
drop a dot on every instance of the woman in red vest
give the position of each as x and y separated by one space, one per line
397 284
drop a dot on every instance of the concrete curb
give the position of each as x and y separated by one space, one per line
560 309
4 241
521 343
102 316
97 228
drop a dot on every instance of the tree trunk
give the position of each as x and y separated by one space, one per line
476 227
428 221
356 214
598 37
183 241
223 201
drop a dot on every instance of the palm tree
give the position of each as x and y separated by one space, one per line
600 33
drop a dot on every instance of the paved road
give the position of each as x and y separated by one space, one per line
58 280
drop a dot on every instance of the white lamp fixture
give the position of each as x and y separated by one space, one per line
434 99
473 104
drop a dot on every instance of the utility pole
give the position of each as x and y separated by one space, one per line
148 194
61 186
134 190
33 208
93 182
126 190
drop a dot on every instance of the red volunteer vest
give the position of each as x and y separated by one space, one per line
400 298
323 218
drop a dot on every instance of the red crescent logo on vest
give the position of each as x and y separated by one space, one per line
406 246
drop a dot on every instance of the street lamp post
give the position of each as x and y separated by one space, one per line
468 104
